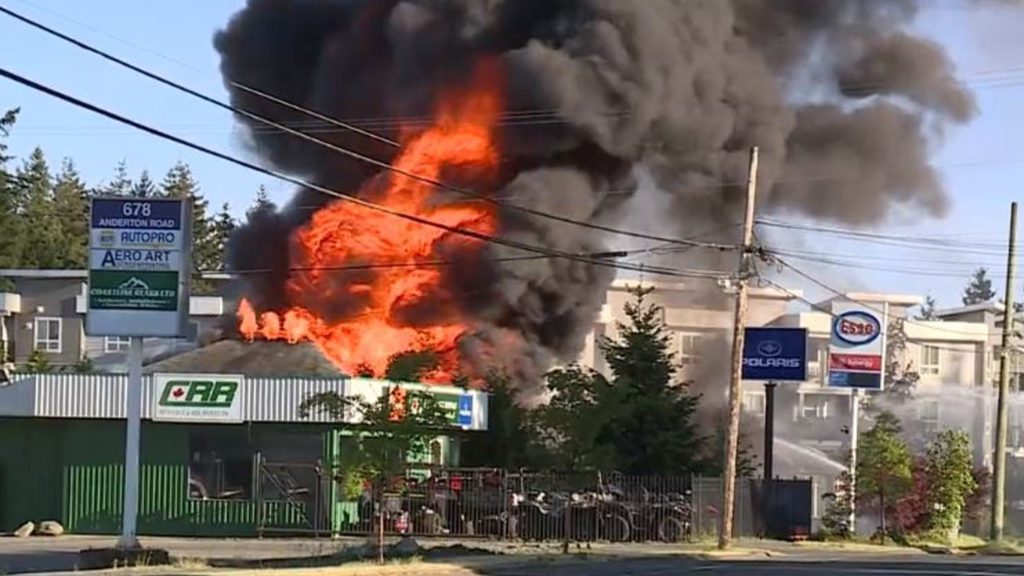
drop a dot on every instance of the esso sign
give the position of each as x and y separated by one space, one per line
857 328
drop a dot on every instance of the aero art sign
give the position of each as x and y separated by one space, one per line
139 267
857 348
197 398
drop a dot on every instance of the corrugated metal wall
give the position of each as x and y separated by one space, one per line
72 471
94 490
30 472
101 396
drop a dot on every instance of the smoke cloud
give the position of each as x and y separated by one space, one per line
838 94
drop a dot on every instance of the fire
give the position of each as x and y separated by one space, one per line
362 317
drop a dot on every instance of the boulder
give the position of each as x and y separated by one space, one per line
50 528
25 530
404 548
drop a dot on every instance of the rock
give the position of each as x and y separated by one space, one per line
25 530
50 528
405 548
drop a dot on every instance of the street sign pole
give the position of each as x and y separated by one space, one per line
769 452
139 276
129 539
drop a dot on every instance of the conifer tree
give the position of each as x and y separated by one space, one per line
11 223
144 187
121 185
179 183
72 206
40 214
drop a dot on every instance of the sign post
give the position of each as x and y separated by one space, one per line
773 355
139 272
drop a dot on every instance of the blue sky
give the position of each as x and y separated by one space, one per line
982 164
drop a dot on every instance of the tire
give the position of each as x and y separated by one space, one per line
615 528
673 530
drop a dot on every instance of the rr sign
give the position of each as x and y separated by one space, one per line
197 398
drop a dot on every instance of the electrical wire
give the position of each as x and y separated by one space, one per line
352 199
839 293
345 151
822 309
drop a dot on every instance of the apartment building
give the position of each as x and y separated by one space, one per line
45 310
954 357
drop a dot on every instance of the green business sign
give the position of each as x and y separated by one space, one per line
133 290
197 398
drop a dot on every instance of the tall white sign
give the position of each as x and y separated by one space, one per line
139 267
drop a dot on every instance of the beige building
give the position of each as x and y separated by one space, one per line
952 356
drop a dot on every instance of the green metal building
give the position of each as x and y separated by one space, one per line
254 467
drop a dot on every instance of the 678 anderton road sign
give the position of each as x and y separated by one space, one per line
139 267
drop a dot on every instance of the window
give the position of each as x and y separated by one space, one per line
116 344
929 360
47 334
688 347
815 407
928 415
753 403
220 464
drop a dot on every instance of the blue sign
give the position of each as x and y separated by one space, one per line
465 415
775 354
136 214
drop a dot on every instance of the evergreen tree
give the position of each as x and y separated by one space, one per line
262 205
979 289
928 309
11 224
883 466
72 206
179 183
144 187
570 426
40 214
650 421
223 226
121 185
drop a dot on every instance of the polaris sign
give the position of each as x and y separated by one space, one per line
775 354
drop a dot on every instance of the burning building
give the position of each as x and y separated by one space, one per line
480 118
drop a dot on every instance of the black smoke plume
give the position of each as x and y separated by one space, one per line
838 94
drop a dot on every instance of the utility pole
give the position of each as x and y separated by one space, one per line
736 382
1002 410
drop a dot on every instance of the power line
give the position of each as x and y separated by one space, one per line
352 199
810 278
822 309
345 151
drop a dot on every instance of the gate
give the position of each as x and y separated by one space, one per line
292 498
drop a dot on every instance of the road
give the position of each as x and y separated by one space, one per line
42 556
942 566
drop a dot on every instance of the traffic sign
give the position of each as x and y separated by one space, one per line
857 350
775 354
139 267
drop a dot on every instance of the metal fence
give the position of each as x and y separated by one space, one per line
516 505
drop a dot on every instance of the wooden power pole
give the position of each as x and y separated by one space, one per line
736 381
1002 411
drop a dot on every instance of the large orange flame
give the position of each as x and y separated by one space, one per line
382 304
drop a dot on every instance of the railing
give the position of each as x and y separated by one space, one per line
519 505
